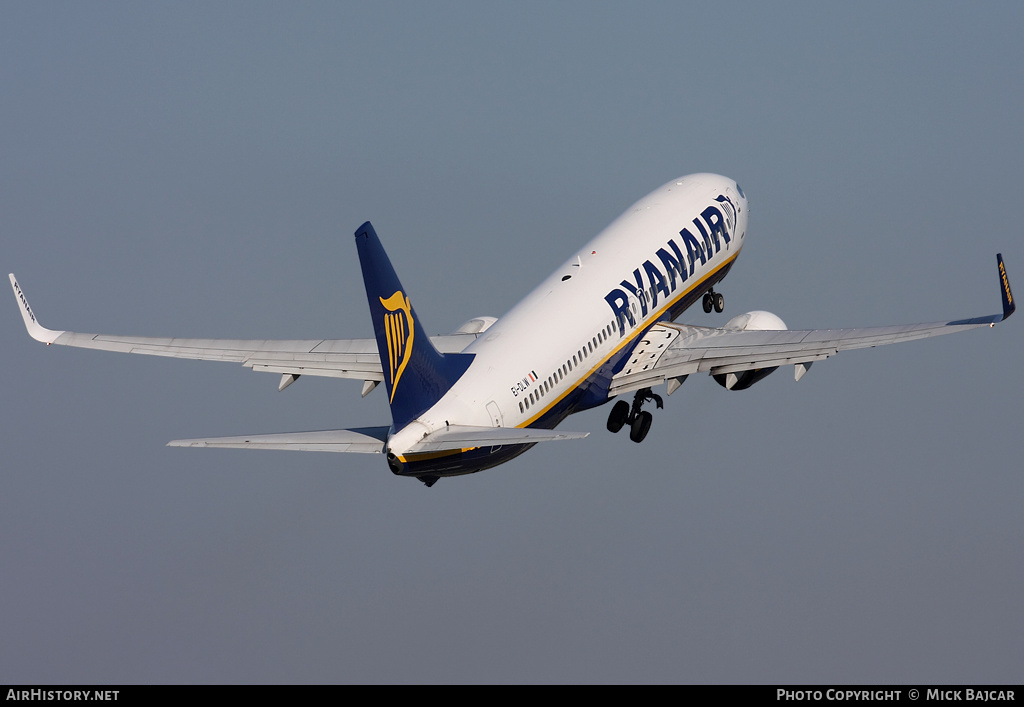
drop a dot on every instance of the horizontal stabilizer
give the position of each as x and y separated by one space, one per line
363 440
463 436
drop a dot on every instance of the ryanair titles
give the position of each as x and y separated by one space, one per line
24 302
679 258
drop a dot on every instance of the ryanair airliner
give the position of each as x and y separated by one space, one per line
487 392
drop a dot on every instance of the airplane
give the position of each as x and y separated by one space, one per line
602 325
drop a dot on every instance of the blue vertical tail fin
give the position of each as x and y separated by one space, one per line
416 374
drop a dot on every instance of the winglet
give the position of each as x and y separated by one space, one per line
36 330
1004 288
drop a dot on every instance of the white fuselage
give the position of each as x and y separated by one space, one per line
533 366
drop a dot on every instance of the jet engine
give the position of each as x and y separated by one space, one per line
477 325
751 321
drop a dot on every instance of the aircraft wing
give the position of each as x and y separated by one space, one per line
337 358
364 440
669 350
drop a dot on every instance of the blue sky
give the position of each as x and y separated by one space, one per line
198 170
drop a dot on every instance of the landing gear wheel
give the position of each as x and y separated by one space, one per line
719 302
708 304
638 430
639 421
618 416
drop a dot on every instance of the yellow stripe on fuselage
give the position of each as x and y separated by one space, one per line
427 456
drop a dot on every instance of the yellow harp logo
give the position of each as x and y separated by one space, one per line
398 330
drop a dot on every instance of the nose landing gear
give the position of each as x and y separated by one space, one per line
639 420
713 300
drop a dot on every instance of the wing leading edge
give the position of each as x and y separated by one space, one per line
669 350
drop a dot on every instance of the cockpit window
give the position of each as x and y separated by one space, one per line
740 190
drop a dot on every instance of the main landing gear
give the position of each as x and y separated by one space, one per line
639 420
714 300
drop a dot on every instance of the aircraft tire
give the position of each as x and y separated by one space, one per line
641 425
719 302
618 416
708 303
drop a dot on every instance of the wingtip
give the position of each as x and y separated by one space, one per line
185 443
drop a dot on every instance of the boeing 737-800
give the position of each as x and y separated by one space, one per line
600 326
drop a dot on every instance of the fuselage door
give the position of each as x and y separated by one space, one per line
495 413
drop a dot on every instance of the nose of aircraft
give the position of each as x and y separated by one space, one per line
741 217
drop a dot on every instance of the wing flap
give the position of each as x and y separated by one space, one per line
729 351
362 440
334 370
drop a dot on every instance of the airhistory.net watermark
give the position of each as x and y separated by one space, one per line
62 695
